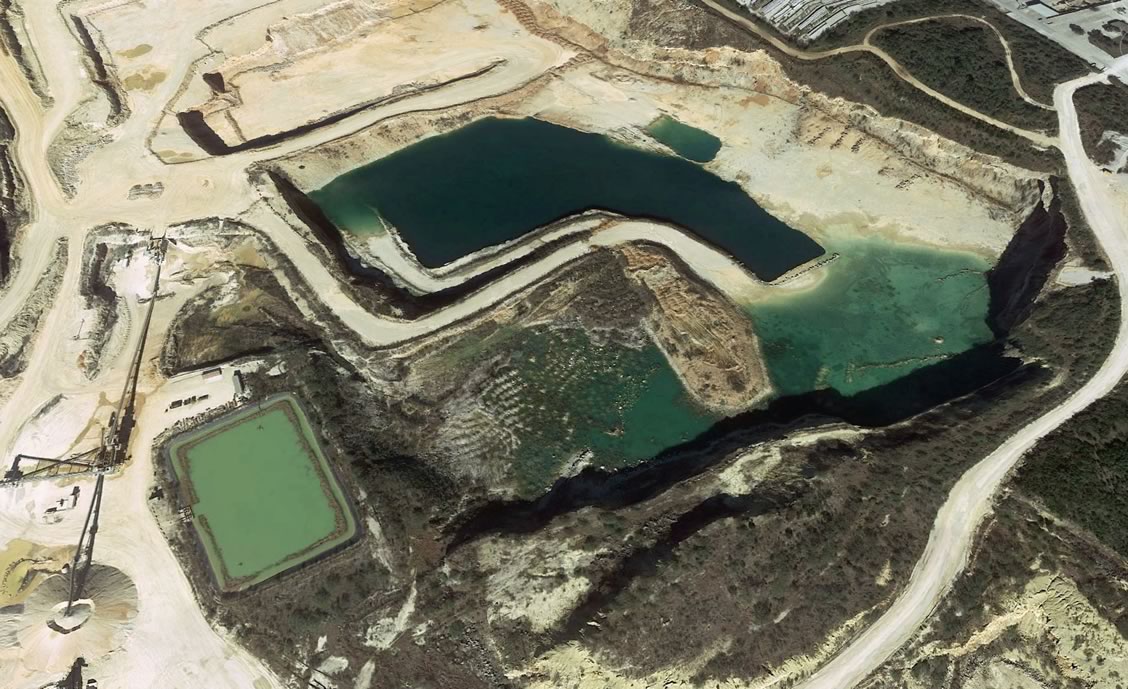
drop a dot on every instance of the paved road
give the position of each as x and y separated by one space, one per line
953 532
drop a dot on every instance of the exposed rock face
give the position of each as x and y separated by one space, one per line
248 314
13 37
13 209
1017 279
17 335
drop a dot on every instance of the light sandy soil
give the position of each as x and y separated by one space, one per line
327 55
1071 276
539 596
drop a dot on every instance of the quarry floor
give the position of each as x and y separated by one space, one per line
169 639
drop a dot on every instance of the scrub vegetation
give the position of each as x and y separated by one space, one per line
1041 64
1080 471
1040 604
867 79
964 60
1102 108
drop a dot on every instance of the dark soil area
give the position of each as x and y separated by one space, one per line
1113 46
1022 270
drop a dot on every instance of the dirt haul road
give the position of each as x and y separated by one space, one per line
748 24
953 533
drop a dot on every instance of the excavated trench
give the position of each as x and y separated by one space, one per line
119 108
197 129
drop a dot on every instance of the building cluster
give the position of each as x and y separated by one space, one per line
806 20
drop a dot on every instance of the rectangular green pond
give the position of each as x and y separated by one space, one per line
264 498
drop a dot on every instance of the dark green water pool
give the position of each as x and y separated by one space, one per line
689 142
498 179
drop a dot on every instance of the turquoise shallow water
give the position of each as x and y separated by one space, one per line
625 405
884 310
562 393
498 179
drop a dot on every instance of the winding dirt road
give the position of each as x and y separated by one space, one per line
1016 81
970 500
747 23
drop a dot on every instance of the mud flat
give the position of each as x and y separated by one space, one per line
263 496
